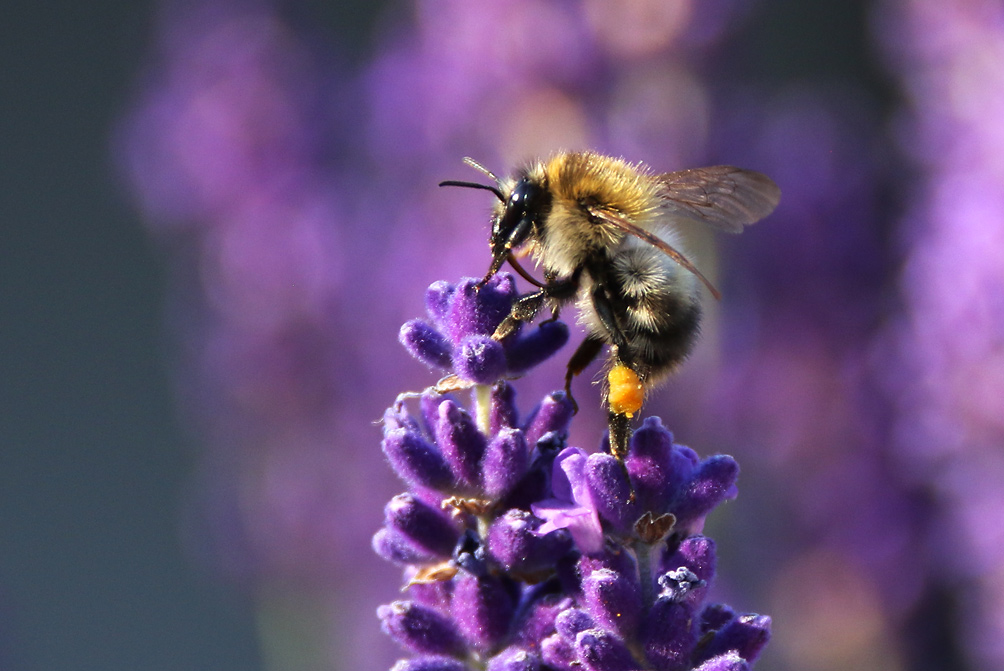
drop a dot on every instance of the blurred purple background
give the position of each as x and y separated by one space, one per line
284 163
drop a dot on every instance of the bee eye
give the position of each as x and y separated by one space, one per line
525 197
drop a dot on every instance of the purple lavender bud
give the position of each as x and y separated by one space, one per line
502 285
514 545
420 629
727 662
668 636
532 487
559 653
611 491
689 455
437 299
657 470
464 321
435 595
535 484
746 636
482 609
547 448
415 460
553 414
397 417
460 442
613 599
601 650
572 622
510 537
426 344
479 312
549 550
428 407
400 549
503 413
613 559
480 359
537 622
504 464
713 481
429 663
514 659
697 555
536 346
715 616
426 527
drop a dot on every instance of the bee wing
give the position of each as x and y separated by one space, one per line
723 196
623 223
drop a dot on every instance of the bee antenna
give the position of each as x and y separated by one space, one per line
475 185
482 169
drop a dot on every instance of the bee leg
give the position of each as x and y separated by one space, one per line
620 434
604 308
550 277
563 289
583 356
523 310
555 315
619 423
526 307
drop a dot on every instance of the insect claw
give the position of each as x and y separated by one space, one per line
571 399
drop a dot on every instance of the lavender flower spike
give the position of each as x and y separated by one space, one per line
524 554
458 336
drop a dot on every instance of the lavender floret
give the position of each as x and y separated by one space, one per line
417 461
514 659
505 461
423 525
727 662
524 554
420 629
462 320
513 542
613 599
744 636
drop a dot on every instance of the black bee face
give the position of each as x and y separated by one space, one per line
521 214
525 206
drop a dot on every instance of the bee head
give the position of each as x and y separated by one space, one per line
522 210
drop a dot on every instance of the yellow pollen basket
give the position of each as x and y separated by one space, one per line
626 393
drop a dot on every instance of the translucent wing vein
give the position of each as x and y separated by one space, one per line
722 196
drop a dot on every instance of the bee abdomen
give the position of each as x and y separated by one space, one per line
656 344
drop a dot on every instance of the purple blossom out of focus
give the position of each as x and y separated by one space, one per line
946 364
522 553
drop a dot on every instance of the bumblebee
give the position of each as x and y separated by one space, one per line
603 231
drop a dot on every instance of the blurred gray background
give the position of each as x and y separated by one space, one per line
92 461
